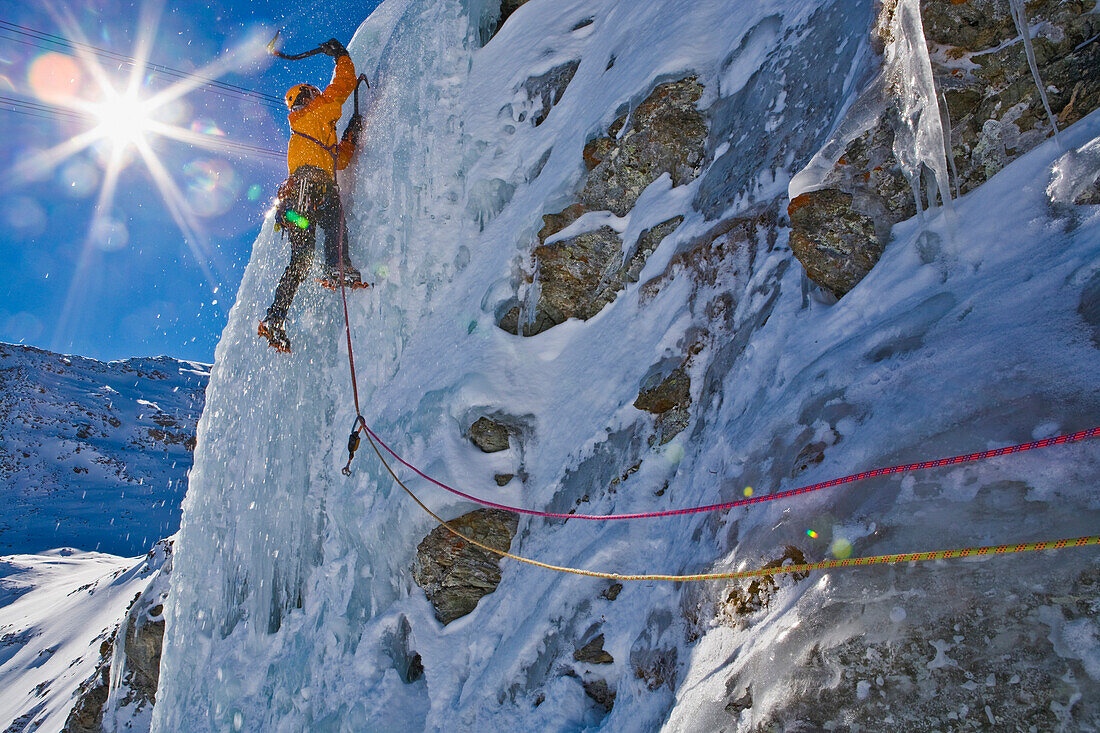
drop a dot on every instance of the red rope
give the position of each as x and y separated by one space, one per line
939 462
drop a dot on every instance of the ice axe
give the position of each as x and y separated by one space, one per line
362 78
289 56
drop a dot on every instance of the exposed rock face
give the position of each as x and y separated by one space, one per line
87 715
962 674
454 574
489 435
135 646
593 653
580 274
996 112
668 397
993 115
545 90
142 642
665 134
601 693
836 244
661 395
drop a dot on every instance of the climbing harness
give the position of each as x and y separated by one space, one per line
940 462
759 572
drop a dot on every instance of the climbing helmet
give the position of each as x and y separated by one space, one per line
299 95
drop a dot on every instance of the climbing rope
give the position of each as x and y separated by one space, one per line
954 460
759 572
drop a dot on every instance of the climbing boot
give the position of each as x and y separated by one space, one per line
272 330
352 278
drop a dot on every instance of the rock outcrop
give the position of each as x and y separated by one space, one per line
130 656
454 574
489 435
992 113
579 275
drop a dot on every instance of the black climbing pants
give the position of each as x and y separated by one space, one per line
308 199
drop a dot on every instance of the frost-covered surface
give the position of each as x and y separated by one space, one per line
293 602
94 455
57 610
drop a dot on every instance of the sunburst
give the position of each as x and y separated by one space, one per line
126 119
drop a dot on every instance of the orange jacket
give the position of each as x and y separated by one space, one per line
318 120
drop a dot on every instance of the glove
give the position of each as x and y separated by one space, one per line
334 48
351 132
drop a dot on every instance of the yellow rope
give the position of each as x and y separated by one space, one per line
803 568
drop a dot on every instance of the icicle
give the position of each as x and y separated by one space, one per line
530 303
945 120
919 139
1019 17
860 117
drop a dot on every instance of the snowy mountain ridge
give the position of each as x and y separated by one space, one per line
94 455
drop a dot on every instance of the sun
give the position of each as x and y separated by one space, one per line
128 123
123 119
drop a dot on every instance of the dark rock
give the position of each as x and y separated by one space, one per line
599 691
656 666
719 257
503 479
579 275
507 7
758 593
670 424
612 591
837 245
554 223
664 134
593 653
741 704
994 115
545 90
811 455
87 715
454 574
661 395
571 273
489 435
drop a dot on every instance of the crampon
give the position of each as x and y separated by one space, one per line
275 335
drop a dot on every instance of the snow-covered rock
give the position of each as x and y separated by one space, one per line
294 604
94 455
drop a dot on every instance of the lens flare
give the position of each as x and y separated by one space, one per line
841 548
812 534
748 491
212 186
54 77
297 219
80 178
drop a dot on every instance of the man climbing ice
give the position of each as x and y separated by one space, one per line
309 196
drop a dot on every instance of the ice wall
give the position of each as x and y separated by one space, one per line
293 606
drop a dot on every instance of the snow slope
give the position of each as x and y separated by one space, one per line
58 615
93 455
293 605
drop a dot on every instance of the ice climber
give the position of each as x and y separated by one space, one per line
309 196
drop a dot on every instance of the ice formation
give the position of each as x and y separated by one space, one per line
293 605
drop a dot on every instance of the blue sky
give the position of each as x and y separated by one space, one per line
124 279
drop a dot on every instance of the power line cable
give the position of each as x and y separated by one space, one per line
70 47
60 40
